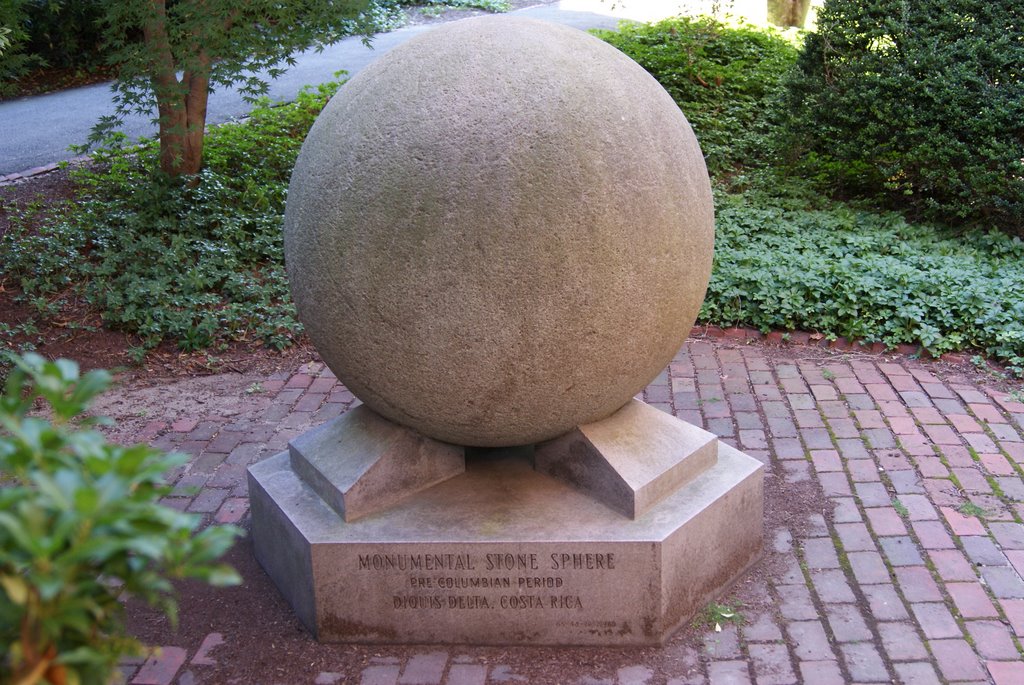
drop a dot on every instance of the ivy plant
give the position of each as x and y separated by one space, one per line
866 275
199 263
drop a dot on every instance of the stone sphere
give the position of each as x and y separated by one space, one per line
498 231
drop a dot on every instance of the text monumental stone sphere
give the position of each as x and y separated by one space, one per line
498 231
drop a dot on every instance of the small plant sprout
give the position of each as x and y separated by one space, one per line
716 614
137 353
900 509
827 374
972 509
254 389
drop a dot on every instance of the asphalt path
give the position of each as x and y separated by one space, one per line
39 130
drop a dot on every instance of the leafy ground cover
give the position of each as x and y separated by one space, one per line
873 276
198 262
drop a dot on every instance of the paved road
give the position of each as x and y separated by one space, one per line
35 131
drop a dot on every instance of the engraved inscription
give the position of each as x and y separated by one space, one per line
512 562
415 562
590 562
491 581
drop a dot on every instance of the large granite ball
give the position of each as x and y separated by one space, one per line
498 231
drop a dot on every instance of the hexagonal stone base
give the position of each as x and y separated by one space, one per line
502 554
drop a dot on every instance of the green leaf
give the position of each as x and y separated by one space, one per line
86 501
82 524
16 528
16 589
222 576
67 369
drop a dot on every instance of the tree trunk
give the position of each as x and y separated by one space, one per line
181 152
195 103
788 12
173 125
182 125
170 103
181 105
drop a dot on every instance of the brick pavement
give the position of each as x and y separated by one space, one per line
912 573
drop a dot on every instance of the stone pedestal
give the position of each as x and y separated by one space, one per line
631 460
623 530
360 462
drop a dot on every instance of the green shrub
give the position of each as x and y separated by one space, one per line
80 527
47 33
920 103
14 61
65 33
873 276
199 262
723 78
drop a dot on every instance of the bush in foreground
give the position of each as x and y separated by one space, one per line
80 527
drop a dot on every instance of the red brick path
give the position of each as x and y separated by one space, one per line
913 574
